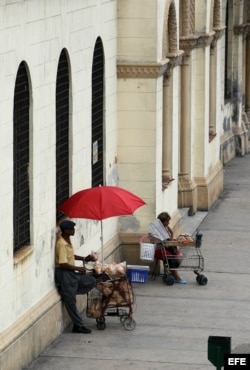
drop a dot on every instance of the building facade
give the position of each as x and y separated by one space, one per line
151 95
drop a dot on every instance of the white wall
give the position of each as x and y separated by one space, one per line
36 31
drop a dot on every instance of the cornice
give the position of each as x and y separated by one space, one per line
141 70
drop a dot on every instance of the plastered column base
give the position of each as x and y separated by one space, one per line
209 188
227 148
187 194
241 139
246 117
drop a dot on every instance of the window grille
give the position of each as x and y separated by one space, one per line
97 114
21 187
62 131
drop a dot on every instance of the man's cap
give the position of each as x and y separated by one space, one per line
67 225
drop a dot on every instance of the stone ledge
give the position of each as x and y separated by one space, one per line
22 253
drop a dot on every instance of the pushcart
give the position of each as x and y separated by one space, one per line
182 254
112 296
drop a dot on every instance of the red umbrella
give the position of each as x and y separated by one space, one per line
101 202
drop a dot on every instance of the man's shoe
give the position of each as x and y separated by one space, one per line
80 330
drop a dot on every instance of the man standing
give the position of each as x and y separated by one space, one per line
71 279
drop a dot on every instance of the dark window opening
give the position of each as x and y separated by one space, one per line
97 114
21 187
62 131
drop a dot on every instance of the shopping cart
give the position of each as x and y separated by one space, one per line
112 296
184 253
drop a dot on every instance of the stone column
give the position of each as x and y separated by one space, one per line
213 92
174 60
187 196
247 74
240 131
166 136
186 103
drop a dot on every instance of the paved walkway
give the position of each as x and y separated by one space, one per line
175 322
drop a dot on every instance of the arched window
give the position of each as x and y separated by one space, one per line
62 130
98 115
21 149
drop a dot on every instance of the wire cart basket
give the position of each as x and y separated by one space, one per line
147 249
112 296
181 254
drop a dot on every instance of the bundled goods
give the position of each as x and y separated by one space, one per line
106 288
113 293
122 294
112 269
117 292
185 239
112 289
94 309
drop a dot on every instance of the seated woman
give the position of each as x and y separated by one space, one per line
173 255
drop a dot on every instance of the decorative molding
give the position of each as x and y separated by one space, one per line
242 29
175 60
141 70
191 42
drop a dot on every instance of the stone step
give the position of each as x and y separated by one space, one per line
190 224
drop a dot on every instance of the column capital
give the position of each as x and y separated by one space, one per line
175 60
218 33
205 39
188 43
242 29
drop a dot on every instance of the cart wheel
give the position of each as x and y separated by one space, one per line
101 325
129 323
201 280
168 279
123 319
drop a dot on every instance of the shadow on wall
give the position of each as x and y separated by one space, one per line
129 223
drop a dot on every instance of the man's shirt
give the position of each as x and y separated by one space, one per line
64 253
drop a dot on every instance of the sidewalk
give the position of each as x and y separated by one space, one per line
174 322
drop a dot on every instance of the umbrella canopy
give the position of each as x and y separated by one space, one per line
101 202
